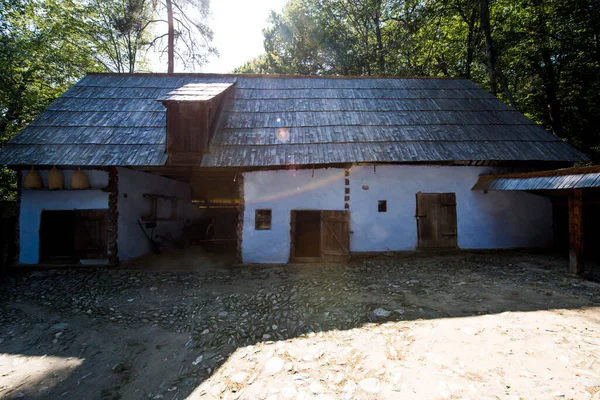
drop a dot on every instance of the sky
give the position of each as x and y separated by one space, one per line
237 26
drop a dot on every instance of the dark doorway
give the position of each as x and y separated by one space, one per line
307 234
73 235
216 231
57 236
591 228
436 220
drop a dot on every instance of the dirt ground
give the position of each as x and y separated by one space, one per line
508 325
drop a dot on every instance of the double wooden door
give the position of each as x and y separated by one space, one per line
320 235
436 220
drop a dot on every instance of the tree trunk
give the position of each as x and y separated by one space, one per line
548 71
171 40
492 64
380 54
551 89
489 45
471 38
378 36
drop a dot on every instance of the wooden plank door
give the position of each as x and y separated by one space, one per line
91 239
436 220
335 235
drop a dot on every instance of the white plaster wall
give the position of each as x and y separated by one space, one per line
283 191
485 221
132 206
33 202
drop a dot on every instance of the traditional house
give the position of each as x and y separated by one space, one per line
311 167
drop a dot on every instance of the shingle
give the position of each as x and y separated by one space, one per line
277 120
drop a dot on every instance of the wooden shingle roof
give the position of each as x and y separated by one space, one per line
111 119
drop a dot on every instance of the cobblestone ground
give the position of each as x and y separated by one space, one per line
462 325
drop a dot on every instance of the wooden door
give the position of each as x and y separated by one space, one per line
307 238
91 234
335 235
436 220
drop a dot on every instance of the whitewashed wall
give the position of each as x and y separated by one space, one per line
33 202
132 206
485 221
283 191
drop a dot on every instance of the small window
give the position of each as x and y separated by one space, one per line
382 206
262 220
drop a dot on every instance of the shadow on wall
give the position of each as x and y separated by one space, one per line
144 319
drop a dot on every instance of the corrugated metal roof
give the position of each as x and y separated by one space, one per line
561 179
112 119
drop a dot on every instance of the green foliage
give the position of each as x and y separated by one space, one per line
42 53
118 31
40 58
47 45
546 52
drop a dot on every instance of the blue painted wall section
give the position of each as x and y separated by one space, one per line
496 220
281 192
33 202
132 206
485 221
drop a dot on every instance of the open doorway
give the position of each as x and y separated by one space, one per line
57 236
70 236
306 235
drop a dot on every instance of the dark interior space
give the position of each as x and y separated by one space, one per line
591 228
57 236
8 223
216 231
69 236
307 236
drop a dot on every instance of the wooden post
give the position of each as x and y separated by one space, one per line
576 231
240 224
113 216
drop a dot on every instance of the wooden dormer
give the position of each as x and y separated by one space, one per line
192 114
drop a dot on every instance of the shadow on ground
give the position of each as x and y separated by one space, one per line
133 333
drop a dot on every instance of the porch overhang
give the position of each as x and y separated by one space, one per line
569 182
560 179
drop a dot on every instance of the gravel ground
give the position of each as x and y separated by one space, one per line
462 325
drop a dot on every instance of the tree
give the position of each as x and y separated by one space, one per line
123 31
40 58
540 56
119 30
188 34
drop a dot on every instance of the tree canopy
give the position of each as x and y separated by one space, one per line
47 45
540 56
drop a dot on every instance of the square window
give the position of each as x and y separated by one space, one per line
382 206
262 220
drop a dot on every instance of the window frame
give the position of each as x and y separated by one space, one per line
260 221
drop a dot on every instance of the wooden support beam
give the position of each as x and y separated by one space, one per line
576 231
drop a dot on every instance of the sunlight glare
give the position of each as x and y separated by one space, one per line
30 374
